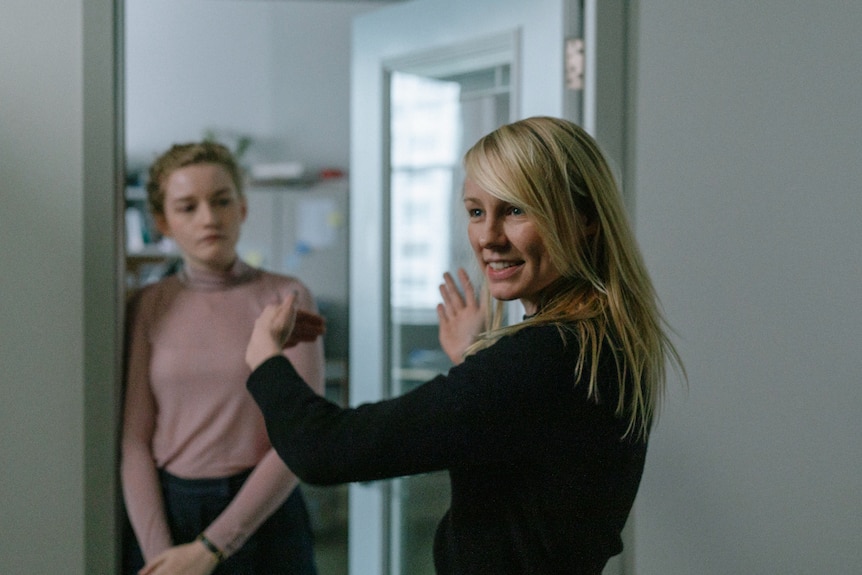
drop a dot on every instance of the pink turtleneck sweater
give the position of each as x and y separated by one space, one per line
187 409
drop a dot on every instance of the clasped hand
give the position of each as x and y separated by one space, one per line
280 326
187 559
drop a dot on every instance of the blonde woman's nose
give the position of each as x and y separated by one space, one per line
491 234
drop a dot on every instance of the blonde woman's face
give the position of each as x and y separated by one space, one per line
508 248
203 213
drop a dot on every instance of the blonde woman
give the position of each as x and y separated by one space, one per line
543 426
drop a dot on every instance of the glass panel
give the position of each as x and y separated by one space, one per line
425 142
433 120
425 136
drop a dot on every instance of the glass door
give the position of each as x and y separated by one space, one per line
433 119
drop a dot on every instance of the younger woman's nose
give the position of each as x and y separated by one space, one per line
207 214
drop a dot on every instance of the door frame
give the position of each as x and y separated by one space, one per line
473 55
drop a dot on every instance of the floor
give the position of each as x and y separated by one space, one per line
328 509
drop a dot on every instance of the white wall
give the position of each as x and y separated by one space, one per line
278 71
747 169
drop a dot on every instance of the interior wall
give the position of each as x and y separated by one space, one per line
195 65
277 71
41 466
48 131
746 137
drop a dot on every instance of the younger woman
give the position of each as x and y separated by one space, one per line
204 490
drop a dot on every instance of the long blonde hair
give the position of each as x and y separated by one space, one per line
555 172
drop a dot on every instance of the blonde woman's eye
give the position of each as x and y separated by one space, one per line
516 211
474 212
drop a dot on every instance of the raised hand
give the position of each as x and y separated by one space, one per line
462 315
281 326
307 326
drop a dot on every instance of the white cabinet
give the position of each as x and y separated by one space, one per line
301 230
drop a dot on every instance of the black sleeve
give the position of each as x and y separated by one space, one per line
489 408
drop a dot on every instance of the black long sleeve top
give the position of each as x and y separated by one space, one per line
542 481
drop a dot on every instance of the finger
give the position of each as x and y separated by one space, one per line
294 340
306 332
441 314
452 289
446 297
309 322
310 319
151 566
444 294
469 290
297 336
286 309
307 328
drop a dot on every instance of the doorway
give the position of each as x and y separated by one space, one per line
238 72
434 116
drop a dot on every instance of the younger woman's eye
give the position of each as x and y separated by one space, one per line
516 211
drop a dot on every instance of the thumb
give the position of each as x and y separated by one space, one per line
285 318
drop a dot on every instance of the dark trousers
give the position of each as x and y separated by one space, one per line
283 545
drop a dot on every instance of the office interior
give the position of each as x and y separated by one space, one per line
741 164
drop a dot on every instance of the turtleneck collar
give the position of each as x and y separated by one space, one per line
240 272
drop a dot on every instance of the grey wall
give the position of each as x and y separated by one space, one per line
57 339
746 136
41 463
278 71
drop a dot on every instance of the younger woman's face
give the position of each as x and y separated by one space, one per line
507 245
203 213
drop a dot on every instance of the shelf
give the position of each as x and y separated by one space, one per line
136 194
152 254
